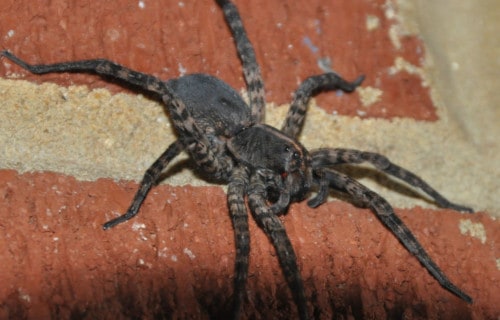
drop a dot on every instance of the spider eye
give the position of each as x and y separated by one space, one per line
295 154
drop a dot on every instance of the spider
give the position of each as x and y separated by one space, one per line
264 167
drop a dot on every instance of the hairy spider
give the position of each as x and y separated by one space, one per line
263 166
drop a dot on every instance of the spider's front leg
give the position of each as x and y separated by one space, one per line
275 231
239 217
308 88
385 213
332 157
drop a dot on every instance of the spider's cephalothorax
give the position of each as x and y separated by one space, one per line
264 167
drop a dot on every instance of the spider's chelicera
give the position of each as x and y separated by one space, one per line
265 167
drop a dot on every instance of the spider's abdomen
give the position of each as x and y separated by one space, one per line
216 107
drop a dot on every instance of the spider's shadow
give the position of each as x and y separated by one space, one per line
382 179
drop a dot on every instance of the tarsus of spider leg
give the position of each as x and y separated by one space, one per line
410 242
335 156
308 88
150 177
251 69
386 214
239 218
275 231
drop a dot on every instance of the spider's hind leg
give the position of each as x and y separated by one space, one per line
99 66
308 88
178 111
251 70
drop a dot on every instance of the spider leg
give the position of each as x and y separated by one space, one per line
270 179
239 218
275 231
99 66
193 137
330 157
307 89
386 214
323 190
147 182
251 70
177 109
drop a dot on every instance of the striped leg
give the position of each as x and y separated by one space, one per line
99 66
239 217
147 182
308 88
177 109
251 69
276 233
330 157
386 214
192 136
323 189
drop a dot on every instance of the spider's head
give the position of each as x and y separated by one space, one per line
262 147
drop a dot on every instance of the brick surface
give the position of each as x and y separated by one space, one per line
176 259
170 37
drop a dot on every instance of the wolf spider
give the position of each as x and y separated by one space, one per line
265 167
